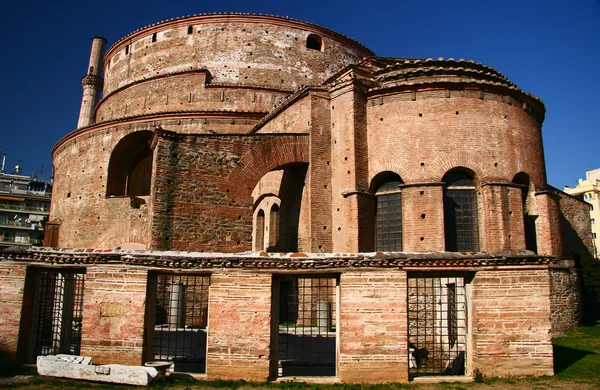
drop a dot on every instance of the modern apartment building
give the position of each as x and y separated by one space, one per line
589 190
24 209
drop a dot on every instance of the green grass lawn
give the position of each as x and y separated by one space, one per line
576 367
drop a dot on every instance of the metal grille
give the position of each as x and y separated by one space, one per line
180 318
307 326
58 312
388 217
460 219
437 325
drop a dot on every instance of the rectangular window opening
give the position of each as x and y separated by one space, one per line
178 330
306 325
437 325
57 312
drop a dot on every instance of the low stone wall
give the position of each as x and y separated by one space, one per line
507 297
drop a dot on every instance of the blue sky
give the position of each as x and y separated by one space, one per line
549 48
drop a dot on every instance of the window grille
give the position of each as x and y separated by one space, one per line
306 325
180 318
437 325
461 224
388 217
58 307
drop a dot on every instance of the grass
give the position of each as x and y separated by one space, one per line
576 367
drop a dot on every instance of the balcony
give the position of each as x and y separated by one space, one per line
4 189
36 210
21 225
10 241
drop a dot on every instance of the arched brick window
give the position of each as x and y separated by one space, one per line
314 42
130 166
273 227
523 180
460 212
388 212
259 231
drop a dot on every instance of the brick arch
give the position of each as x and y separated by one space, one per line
390 164
265 157
445 163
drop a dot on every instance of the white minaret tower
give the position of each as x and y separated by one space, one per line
92 83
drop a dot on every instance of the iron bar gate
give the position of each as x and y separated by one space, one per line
179 319
58 307
437 325
306 326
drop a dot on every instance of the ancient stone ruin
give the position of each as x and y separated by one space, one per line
256 197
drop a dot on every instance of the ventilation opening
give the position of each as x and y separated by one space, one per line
314 42
153 37
437 325
58 307
190 29
306 327
179 318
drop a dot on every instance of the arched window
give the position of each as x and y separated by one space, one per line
314 42
273 224
388 213
460 212
130 166
259 232
522 179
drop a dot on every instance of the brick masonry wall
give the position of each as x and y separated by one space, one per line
511 326
235 49
203 184
12 287
548 224
295 119
422 139
423 218
239 326
373 330
114 304
185 92
575 225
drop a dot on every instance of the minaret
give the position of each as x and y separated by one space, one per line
92 83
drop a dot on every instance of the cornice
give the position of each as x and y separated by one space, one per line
272 261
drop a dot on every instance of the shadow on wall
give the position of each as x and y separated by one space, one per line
590 288
589 267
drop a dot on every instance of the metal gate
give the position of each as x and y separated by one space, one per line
437 325
306 326
179 317
58 306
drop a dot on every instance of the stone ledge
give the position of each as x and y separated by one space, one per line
273 261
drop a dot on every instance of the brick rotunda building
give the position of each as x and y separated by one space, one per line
256 197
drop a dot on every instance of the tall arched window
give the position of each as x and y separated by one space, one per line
130 166
259 232
273 227
522 179
460 212
388 213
